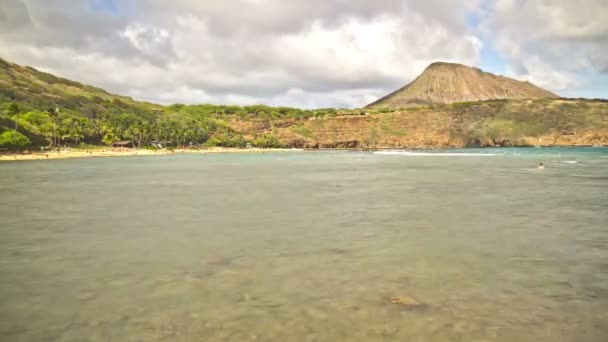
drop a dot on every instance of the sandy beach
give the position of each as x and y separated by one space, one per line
81 153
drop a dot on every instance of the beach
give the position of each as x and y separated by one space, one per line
125 152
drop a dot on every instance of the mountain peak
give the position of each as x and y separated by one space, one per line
445 64
443 82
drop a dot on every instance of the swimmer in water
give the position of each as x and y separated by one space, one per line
541 166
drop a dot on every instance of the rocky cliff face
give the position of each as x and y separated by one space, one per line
448 83
541 122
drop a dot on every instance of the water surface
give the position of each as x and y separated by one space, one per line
307 246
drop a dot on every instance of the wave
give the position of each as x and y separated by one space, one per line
433 154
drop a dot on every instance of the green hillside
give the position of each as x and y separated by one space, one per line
38 109
53 111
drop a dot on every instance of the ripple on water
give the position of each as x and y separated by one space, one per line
234 247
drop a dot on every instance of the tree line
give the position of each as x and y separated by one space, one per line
175 126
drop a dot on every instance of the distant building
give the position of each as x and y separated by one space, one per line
122 144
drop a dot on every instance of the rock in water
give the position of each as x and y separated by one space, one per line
405 301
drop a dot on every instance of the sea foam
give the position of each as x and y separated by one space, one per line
433 154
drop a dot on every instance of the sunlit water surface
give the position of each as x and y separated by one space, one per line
307 246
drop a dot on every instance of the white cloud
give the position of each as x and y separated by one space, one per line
242 50
300 52
550 42
150 41
542 74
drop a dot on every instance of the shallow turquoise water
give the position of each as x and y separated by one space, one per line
307 246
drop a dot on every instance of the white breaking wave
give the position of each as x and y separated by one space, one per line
433 154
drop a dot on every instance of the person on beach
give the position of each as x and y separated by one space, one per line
541 166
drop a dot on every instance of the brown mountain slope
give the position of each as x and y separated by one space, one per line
546 122
449 82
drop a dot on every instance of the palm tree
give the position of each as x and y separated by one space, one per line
54 113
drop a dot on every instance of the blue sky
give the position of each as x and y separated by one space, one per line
489 58
104 6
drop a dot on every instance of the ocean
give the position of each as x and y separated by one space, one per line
307 246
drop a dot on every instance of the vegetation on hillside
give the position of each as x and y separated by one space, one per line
51 111
509 122
38 109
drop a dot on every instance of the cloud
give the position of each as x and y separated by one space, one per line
554 41
300 52
310 53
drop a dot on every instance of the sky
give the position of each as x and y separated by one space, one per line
304 53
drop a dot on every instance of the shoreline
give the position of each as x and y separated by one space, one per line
96 153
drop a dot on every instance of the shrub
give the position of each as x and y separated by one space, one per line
225 139
14 140
267 141
304 131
